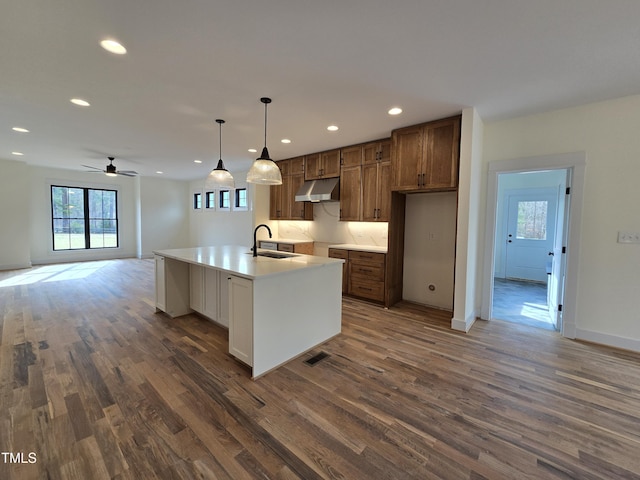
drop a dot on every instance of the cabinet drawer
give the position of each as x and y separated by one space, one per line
367 256
370 290
285 247
338 253
371 271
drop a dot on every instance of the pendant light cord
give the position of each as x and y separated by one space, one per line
265 125
220 124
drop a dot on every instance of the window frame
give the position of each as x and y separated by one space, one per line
196 201
236 199
210 200
222 205
86 219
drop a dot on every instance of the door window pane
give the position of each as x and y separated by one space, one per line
532 220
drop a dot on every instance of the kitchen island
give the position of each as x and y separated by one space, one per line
275 308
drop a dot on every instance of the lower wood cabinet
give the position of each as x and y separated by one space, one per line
305 248
241 318
363 273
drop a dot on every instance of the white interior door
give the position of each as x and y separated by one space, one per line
531 225
555 290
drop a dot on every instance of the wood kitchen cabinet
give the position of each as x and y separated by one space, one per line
322 165
282 204
363 273
425 157
376 181
303 247
351 184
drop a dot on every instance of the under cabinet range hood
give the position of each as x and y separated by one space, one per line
324 190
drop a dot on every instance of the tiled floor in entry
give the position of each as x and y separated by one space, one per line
521 302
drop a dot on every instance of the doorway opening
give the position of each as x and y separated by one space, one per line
529 229
530 273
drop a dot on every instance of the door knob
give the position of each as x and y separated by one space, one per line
551 254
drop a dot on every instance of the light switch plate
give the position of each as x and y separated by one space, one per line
629 237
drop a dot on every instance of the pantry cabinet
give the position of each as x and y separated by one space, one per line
425 157
376 181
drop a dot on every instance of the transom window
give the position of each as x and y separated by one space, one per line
84 218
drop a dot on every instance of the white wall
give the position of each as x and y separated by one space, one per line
470 223
162 221
41 243
609 272
15 201
429 248
216 227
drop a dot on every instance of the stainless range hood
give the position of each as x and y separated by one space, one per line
324 190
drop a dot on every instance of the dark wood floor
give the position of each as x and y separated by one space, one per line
97 386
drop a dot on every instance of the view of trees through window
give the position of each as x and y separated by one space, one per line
84 218
532 220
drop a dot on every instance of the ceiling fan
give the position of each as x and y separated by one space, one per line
111 170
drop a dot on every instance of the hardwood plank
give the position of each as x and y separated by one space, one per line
104 387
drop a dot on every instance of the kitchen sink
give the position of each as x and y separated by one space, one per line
274 254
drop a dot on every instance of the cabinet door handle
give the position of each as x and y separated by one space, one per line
418 179
423 180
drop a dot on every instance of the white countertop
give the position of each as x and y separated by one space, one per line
361 248
284 240
238 260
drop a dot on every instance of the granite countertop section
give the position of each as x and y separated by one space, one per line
238 260
361 248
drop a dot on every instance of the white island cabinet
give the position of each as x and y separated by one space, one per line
275 308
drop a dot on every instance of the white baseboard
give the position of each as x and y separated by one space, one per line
608 339
16 266
463 325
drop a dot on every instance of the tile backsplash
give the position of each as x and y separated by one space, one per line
327 229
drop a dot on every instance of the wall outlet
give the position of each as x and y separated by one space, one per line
629 237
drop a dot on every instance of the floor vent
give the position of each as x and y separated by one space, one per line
316 358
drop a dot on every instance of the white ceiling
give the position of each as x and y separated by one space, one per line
322 62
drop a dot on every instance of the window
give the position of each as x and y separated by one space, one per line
241 199
225 201
210 200
532 220
197 201
84 218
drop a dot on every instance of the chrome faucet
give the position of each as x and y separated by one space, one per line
255 242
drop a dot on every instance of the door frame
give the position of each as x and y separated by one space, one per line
576 163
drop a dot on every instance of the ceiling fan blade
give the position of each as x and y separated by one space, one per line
126 174
95 168
130 172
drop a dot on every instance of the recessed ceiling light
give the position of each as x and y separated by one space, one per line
332 128
113 47
159 172
253 150
19 154
395 111
285 140
197 161
20 129
80 102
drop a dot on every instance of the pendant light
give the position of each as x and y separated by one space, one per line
264 170
219 176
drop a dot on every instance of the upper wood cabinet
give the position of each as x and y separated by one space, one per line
282 204
322 165
376 181
425 157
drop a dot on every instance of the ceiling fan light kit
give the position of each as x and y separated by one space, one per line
111 171
264 170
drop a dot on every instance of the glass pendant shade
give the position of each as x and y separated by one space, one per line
264 171
219 176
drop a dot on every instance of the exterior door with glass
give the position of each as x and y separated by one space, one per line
531 223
